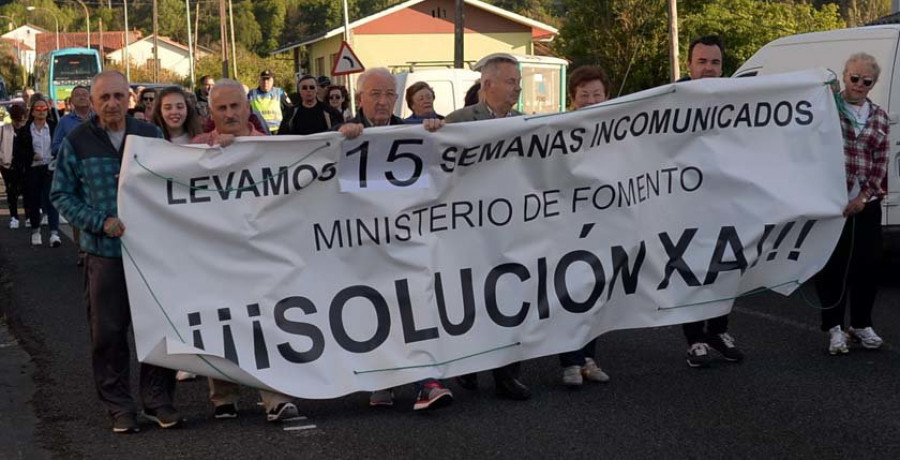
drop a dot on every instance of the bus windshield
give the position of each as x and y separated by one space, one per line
75 67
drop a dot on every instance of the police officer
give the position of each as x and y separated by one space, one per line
269 101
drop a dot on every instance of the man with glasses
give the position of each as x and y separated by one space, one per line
310 115
269 101
323 82
377 95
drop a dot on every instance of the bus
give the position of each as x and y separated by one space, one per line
57 72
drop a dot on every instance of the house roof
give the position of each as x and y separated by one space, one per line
112 40
166 40
16 43
30 26
551 31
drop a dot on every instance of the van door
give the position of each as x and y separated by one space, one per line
891 79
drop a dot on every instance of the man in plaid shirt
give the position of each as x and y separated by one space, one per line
865 131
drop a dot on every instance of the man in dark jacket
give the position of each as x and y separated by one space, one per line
309 115
85 190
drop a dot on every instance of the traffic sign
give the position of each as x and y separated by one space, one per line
346 61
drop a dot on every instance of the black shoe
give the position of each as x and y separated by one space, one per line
125 424
724 344
226 411
165 416
511 388
468 381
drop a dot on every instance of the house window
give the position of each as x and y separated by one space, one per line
439 13
320 65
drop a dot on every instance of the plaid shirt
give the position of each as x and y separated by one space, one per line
865 155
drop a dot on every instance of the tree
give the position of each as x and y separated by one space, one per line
270 14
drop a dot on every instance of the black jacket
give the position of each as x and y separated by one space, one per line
23 146
361 119
330 118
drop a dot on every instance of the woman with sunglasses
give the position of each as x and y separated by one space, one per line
175 116
852 271
339 100
32 155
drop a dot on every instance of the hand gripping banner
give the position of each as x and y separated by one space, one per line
318 266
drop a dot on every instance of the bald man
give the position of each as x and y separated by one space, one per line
85 190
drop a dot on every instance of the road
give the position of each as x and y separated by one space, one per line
789 399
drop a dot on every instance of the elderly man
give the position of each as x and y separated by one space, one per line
310 115
500 88
85 190
378 93
270 101
230 111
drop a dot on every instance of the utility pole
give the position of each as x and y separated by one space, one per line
233 46
127 44
350 85
223 37
187 6
459 35
155 41
673 40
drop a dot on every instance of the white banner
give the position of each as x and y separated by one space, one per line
316 266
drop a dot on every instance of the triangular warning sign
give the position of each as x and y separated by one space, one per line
346 61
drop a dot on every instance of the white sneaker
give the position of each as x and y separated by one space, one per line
36 239
44 220
592 372
837 341
572 376
55 242
27 223
13 223
866 337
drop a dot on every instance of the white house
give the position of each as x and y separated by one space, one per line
173 56
25 35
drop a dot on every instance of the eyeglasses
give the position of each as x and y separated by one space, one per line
866 81
334 97
40 108
148 99
307 87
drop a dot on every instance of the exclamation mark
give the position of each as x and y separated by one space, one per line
795 254
194 321
787 229
759 246
259 342
227 337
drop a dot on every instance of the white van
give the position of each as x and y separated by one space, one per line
830 50
450 86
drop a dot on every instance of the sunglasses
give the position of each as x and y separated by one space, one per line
335 97
307 87
41 108
867 82
148 99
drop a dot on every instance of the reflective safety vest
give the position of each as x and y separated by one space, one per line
268 105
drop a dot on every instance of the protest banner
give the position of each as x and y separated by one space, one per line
317 266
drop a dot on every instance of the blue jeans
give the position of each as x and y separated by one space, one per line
38 180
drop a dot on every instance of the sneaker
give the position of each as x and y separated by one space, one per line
592 372
13 223
283 412
226 411
866 337
184 376
36 239
55 242
724 344
27 223
572 376
382 398
44 220
698 355
125 424
165 416
433 395
837 341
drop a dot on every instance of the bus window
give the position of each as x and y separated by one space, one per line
74 67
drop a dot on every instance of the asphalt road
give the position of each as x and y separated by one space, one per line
789 399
